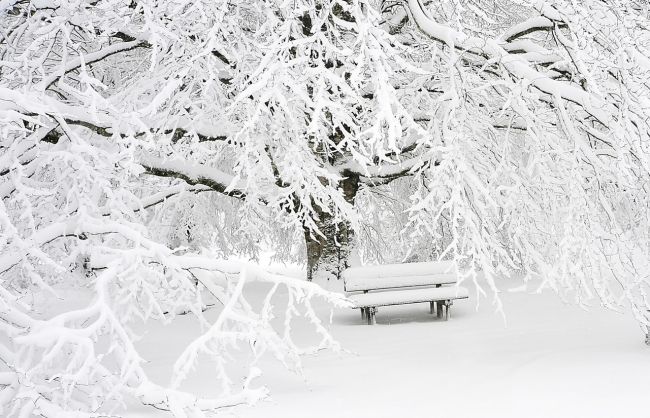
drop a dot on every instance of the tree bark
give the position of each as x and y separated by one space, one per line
329 253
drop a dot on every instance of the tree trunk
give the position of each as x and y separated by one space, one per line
329 253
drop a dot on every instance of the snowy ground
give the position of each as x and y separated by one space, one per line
549 360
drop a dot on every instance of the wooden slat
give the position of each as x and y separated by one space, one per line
401 297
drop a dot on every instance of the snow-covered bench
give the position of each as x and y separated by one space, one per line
369 287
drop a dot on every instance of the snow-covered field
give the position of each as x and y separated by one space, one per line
548 359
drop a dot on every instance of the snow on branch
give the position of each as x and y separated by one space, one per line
66 345
514 64
87 59
192 174
534 24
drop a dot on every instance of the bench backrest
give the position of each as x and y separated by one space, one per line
390 276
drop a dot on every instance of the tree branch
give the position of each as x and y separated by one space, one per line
193 174
94 57
514 64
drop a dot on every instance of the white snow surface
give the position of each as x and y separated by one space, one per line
546 359
396 297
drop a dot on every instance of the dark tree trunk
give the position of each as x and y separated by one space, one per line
329 253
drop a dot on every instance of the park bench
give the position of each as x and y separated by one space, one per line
370 287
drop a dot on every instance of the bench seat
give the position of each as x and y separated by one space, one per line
405 296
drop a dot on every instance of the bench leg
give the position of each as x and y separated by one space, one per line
439 309
370 313
432 307
448 304
363 314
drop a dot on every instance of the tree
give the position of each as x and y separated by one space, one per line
504 135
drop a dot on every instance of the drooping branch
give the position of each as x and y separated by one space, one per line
386 172
516 65
162 196
532 25
193 174
95 57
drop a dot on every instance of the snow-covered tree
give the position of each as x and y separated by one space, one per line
505 134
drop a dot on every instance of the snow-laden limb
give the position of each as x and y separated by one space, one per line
88 59
517 65
192 174
529 26
56 358
161 196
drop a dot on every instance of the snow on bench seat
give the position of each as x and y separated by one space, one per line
400 297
